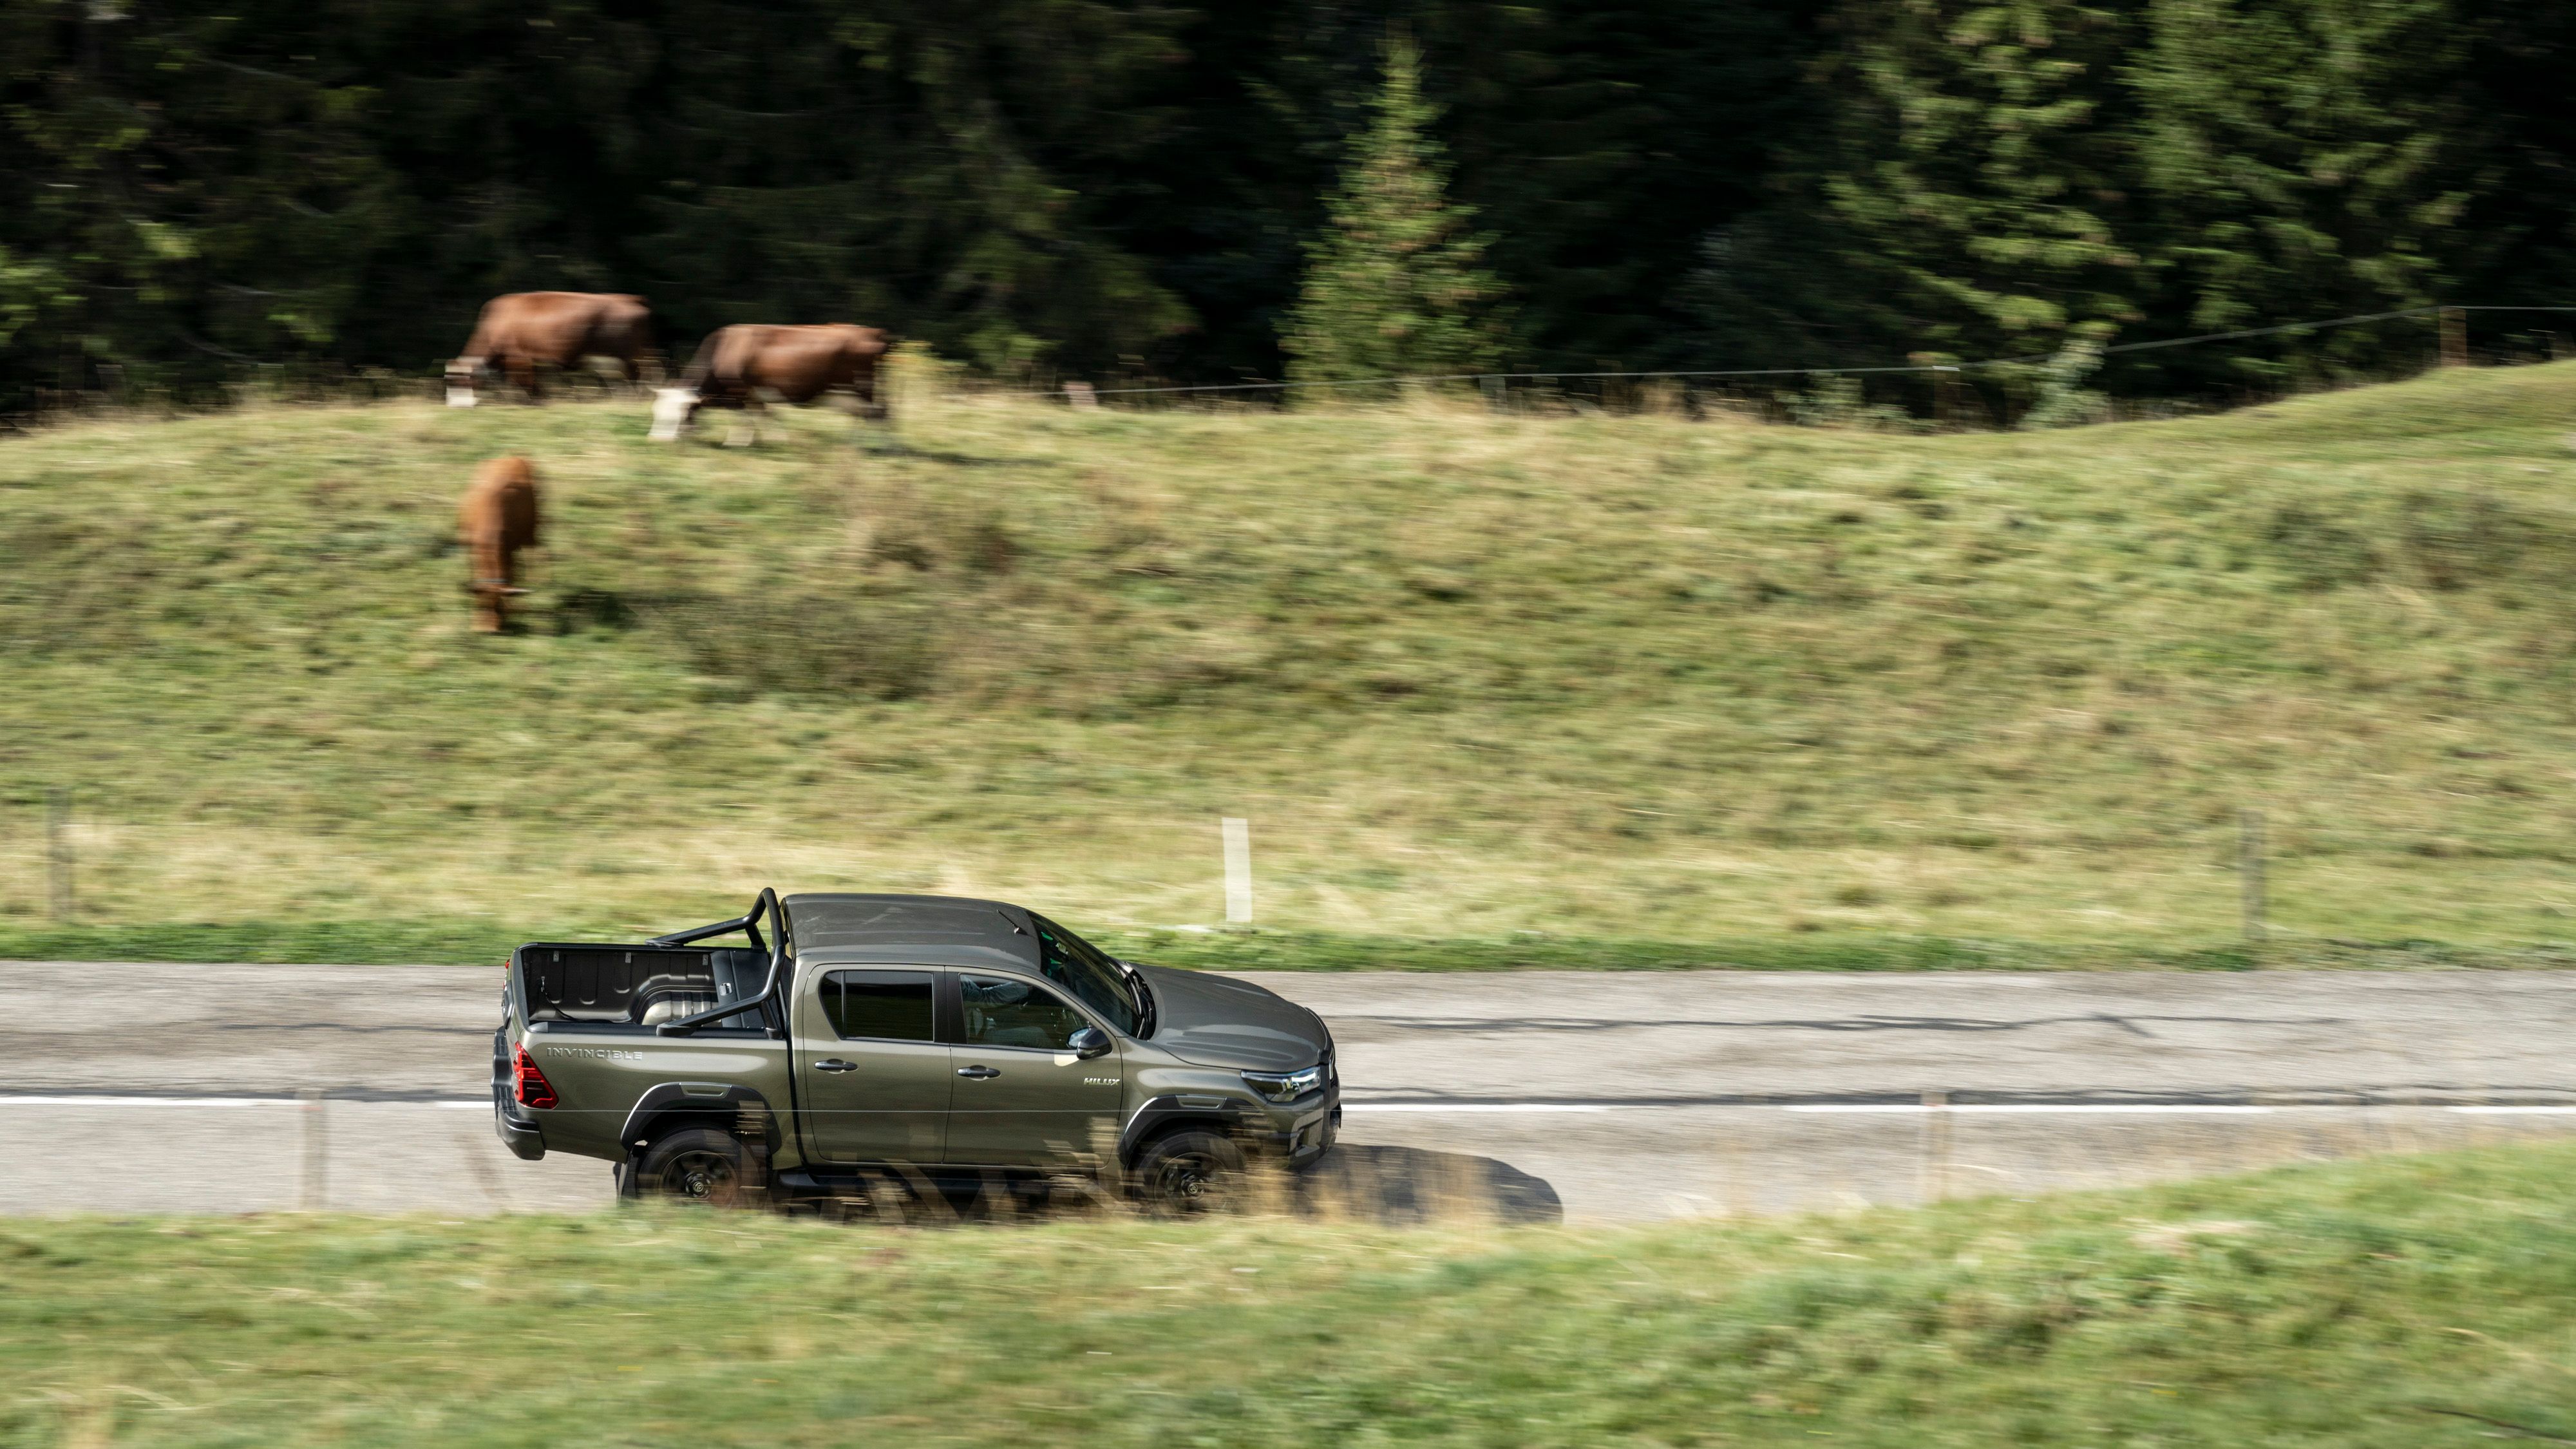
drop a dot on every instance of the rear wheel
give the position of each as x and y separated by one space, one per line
697 1165
1191 1171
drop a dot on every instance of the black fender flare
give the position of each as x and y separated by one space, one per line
1161 1114
730 1106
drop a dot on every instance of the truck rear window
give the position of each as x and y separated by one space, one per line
878 1005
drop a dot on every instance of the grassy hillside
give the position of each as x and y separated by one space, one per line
1646 686
2416 1302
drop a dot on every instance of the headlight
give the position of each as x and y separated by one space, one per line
1285 1086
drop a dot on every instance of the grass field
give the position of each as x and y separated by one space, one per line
2409 1302
1491 689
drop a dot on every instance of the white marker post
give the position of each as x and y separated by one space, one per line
1238 870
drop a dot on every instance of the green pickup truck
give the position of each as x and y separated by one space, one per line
874 1044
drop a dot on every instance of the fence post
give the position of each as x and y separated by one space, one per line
1079 396
1492 383
315 1184
1945 386
58 854
1934 1181
2455 337
1238 869
2249 872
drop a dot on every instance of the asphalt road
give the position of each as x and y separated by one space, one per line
1602 1096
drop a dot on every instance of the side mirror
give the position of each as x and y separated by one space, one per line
1089 1042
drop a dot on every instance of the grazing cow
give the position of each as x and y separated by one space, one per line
738 363
497 519
522 329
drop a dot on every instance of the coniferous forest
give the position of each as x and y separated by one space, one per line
1094 188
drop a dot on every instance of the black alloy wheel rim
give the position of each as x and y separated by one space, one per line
699 1176
1189 1181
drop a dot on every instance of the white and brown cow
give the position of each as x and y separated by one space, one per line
738 366
522 329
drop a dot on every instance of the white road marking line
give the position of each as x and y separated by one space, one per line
14 1101
2089 1109
1481 1106
101 1100
1997 1109
2035 1109
2516 1111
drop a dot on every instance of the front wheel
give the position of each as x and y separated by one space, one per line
1190 1172
697 1165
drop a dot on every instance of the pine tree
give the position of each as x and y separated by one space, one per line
1396 285
1961 192
2304 158
1978 178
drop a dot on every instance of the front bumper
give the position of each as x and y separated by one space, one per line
1296 1133
1312 1131
1315 1131
1314 1139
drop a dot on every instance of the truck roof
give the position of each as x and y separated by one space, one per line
838 929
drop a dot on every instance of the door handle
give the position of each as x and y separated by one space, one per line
835 1064
978 1073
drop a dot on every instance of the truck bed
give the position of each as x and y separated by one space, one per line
637 986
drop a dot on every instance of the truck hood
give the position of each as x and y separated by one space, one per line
1211 1021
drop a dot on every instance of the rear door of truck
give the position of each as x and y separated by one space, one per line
873 1079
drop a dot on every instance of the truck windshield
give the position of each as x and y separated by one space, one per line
1075 964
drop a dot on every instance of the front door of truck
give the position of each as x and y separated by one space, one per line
872 1077
1023 1098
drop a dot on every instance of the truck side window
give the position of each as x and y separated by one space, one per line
1003 1012
1078 966
878 1005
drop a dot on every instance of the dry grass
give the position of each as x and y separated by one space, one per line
2397 1302
1635 677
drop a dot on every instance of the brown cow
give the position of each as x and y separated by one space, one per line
497 519
518 331
736 364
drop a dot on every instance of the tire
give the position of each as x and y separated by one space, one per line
697 1165
1190 1172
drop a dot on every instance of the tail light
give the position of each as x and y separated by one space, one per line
528 1084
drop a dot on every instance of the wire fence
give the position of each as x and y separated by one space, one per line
328 380
1748 373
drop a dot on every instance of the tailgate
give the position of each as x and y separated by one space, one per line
587 1017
